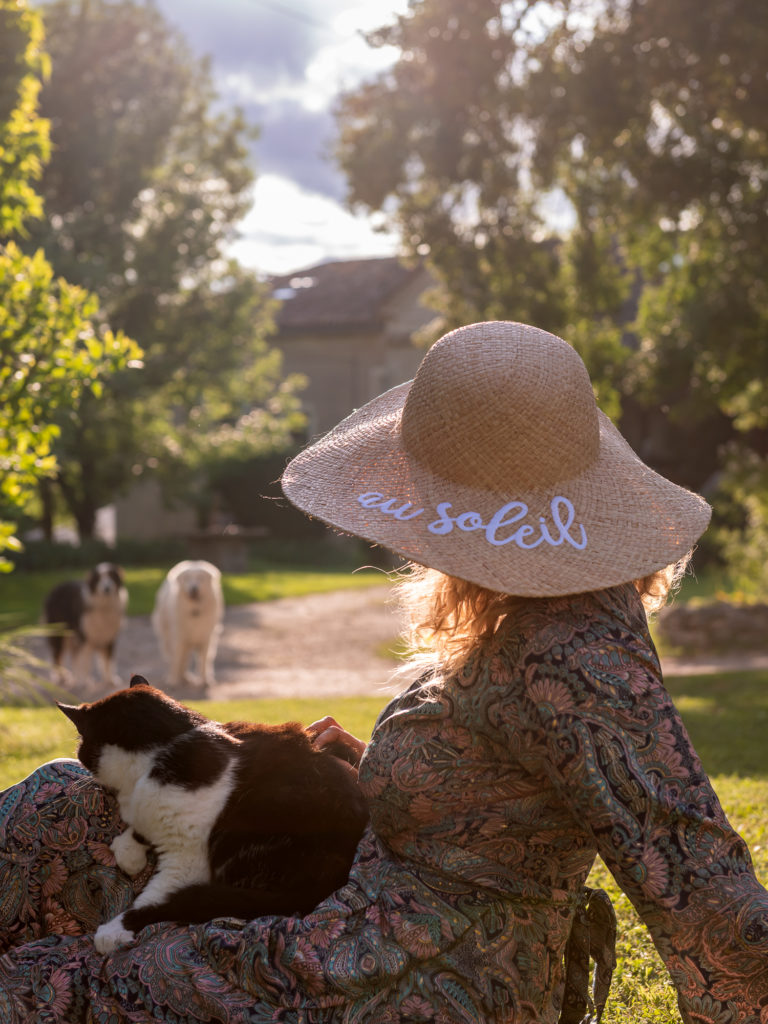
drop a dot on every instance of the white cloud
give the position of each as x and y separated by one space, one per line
289 228
347 59
285 62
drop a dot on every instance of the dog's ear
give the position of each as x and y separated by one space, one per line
138 681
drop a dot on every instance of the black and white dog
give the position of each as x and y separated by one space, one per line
91 613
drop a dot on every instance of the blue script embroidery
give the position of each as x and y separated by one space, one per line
374 499
524 535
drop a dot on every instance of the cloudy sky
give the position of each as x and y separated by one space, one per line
284 62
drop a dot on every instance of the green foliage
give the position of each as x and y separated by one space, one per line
248 490
52 353
146 184
443 142
211 365
24 143
744 543
43 555
599 170
147 179
23 675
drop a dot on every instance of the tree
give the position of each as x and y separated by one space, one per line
676 163
647 120
443 142
147 182
24 144
51 351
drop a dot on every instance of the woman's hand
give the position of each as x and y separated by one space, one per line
326 732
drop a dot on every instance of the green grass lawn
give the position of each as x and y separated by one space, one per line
726 716
29 736
22 593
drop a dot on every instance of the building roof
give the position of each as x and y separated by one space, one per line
347 295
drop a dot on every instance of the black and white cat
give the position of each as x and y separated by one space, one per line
245 819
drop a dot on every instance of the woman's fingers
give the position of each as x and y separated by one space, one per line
326 731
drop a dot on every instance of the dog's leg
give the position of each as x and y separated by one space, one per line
56 644
61 647
206 653
82 663
179 663
161 626
108 674
162 640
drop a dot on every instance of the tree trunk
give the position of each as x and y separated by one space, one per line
85 517
81 508
45 488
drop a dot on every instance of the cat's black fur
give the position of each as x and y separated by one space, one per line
286 832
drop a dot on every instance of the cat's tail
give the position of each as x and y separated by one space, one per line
197 904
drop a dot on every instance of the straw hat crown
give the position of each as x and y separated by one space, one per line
495 465
508 408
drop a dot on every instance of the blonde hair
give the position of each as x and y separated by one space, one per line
448 619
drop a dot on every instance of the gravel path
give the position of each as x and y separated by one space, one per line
317 646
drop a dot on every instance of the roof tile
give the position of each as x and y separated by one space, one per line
338 296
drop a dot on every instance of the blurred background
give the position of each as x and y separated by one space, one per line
223 226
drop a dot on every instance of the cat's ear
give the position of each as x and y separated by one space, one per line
138 681
75 713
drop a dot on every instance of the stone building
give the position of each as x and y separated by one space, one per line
349 327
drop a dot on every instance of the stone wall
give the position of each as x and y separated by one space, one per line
719 626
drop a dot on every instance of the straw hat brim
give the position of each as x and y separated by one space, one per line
635 521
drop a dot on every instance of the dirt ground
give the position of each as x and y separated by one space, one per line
321 645
315 646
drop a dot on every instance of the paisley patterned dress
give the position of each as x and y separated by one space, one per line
491 793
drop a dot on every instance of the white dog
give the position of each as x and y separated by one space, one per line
189 608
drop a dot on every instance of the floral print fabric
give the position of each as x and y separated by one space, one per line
491 793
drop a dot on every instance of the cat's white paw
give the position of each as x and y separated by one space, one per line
130 855
111 935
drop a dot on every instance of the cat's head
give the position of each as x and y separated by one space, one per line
135 719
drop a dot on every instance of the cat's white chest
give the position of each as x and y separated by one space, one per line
166 814
172 817
120 770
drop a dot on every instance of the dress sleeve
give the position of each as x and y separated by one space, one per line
608 737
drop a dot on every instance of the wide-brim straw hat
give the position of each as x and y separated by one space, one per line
495 465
